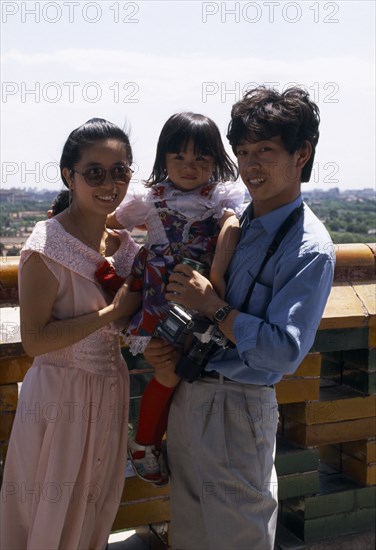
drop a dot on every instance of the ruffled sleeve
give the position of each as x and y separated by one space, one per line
229 196
124 256
135 207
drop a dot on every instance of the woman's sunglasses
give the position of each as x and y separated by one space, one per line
96 175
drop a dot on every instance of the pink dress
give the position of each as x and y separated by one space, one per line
65 467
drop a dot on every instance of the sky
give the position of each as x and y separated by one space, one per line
136 63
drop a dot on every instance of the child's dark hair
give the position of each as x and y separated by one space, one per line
264 113
95 129
174 137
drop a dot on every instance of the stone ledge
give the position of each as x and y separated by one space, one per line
351 257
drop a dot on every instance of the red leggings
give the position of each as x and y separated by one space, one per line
152 420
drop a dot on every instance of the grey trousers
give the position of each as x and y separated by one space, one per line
221 447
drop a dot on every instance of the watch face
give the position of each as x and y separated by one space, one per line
221 313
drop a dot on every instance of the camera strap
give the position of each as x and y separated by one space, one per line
281 233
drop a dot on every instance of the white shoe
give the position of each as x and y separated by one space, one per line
145 461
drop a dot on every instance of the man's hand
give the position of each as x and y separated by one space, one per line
160 354
192 290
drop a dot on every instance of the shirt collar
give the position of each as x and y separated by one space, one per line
272 221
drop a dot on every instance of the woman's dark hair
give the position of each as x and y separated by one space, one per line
174 137
264 113
95 129
60 202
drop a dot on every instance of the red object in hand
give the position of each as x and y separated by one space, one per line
108 278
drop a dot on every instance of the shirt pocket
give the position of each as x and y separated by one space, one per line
260 300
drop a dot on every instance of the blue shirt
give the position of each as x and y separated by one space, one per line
288 300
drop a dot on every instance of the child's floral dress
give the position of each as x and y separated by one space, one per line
179 224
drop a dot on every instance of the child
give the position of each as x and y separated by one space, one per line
184 205
64 472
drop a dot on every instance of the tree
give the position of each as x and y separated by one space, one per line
14 251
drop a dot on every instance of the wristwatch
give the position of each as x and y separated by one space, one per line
221 314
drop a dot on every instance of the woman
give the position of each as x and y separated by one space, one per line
64 472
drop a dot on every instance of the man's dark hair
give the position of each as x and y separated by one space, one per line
264 113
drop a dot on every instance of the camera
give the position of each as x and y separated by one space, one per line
207 338
179 323
176 326
192 364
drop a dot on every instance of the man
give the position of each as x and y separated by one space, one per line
222 427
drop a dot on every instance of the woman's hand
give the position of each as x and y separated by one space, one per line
125 301
38 290
192 290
